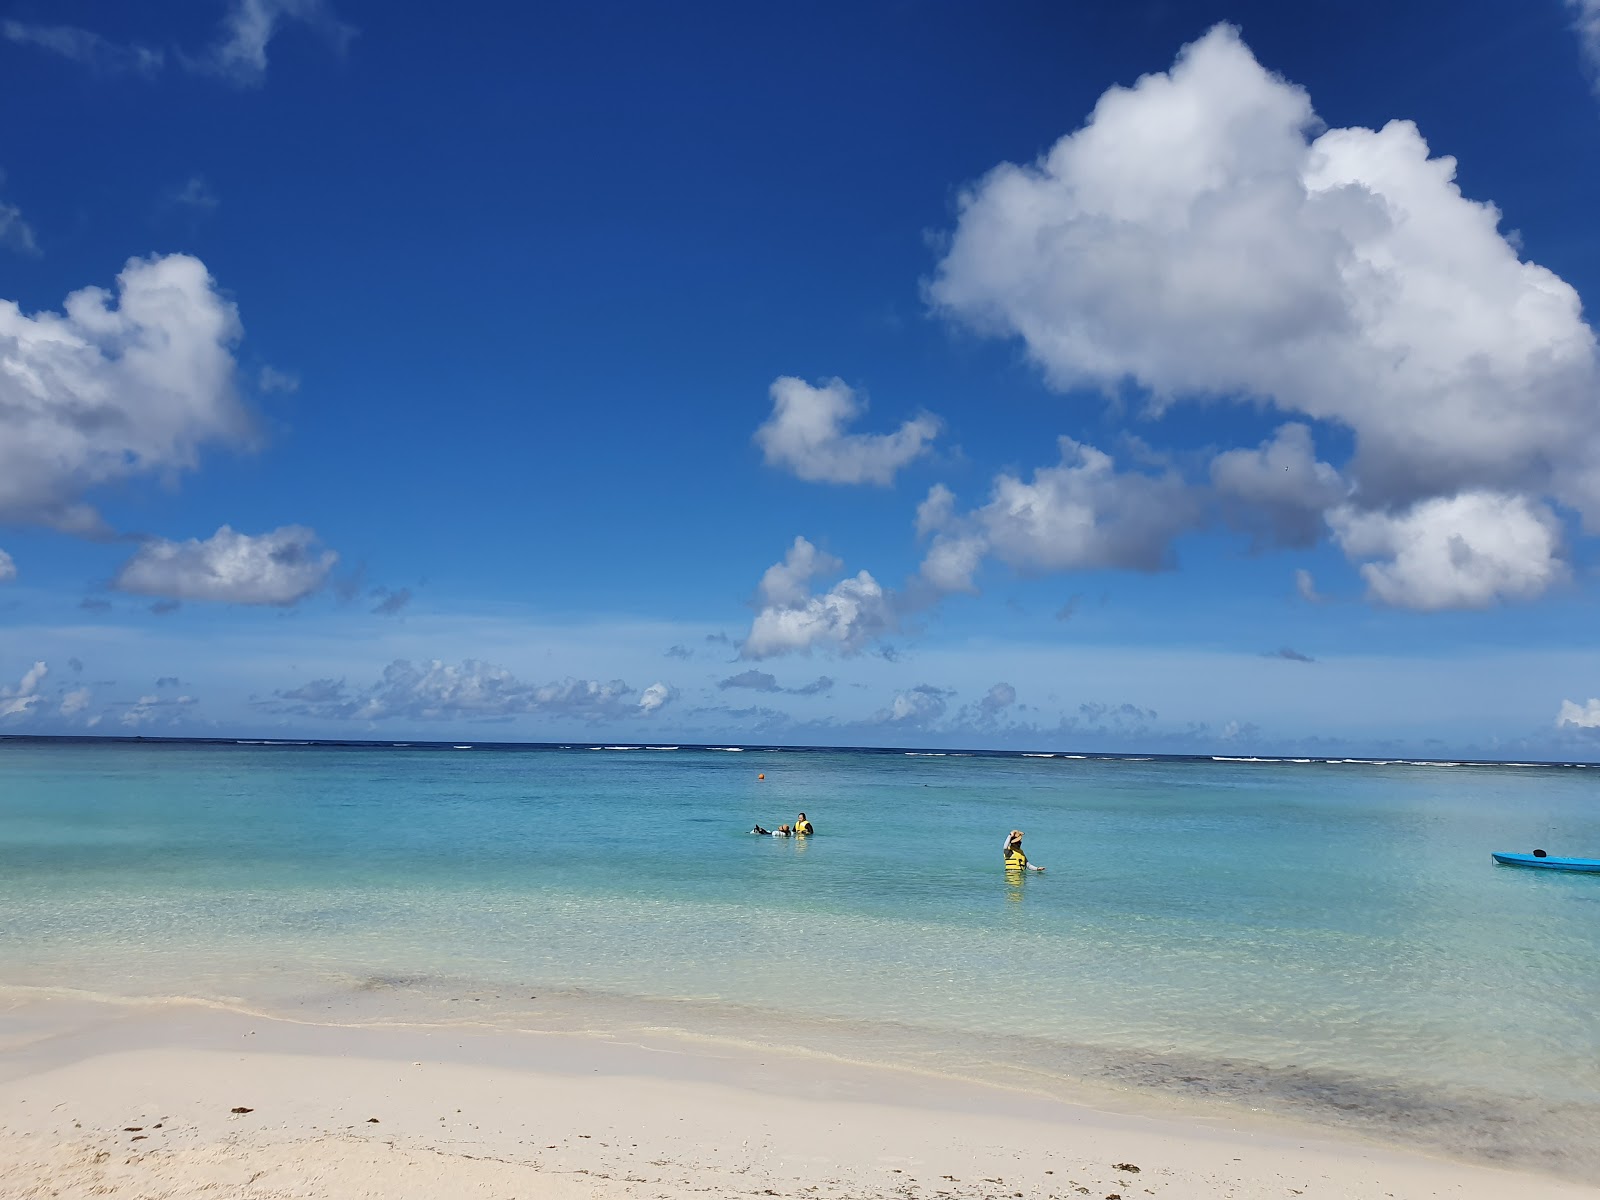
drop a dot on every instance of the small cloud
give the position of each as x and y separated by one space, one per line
1000 697
168 681
679 652
1070 609
149 710
716 639
655 696
390 602
1306 586
279 568
1117 714
196 193
15 701
162 607
755 681
8 568
1291 654
74 702
806 436
847 618
15 233
239 56
270 379
816 687
86 48
915 709
76 664
318 691
1586 23
94 604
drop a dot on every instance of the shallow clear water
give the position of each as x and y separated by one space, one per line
1333 937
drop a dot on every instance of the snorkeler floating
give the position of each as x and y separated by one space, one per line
801 828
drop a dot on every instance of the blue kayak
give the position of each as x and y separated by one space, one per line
1550 864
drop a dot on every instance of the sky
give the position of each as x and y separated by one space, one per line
1177 376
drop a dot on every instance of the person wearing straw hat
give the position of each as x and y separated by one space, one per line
1016 860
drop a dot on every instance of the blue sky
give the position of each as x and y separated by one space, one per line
1181 376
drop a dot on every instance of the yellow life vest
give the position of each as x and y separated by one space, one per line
1016 860
804 827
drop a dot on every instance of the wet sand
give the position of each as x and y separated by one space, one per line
170 1100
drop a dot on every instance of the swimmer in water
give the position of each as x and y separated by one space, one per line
1015 859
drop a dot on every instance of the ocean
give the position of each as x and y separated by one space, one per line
1327 940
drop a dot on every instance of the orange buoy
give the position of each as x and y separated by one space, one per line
760 776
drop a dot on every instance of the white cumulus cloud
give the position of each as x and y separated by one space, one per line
791 619
114 387
1081 514
1466 551
1579 716
654 697
8 568
75 701
1203 236
806 435
281 567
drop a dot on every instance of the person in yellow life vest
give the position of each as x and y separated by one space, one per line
1016 860
802 826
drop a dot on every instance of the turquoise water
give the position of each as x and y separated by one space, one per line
1329 939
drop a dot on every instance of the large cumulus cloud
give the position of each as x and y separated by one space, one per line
117 385
1203 236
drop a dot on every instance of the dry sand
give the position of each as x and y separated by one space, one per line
143 1101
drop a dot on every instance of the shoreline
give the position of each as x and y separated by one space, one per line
404 1110
1451 1122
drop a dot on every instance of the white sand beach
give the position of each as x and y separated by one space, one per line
178 1100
